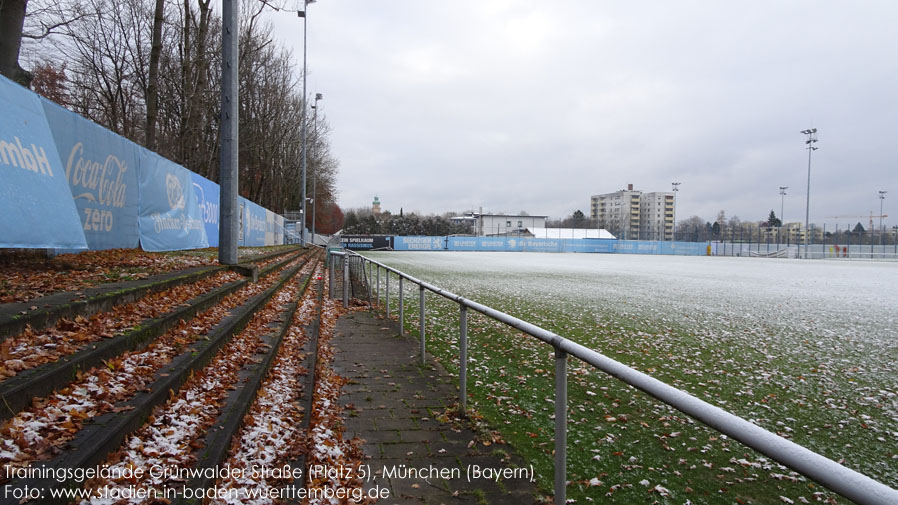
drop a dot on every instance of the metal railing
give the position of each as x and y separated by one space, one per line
840 479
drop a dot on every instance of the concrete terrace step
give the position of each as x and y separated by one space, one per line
105 433
17 392
393 402
51 308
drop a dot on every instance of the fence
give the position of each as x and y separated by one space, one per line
71 184
520 244
848 483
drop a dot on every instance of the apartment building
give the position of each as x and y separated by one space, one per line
631 214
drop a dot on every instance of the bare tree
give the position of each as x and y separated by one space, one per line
153 76
12 20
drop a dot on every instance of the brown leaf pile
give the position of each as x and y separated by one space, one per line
175 431
33 348
28 275
34 433
326 443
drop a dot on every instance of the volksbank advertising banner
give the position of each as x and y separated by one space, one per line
170 217
36 206
208 201
101 171
669 248
254 224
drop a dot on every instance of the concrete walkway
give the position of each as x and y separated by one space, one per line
393 405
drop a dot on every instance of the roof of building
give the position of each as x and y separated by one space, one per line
510 215
570 233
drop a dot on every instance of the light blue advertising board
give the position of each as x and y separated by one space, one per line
170 217
274 228
254 224
529 244
419 243
101 171
36 207
208 201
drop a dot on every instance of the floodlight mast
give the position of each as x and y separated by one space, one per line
228 173
811 140
782 207
305 30
676 188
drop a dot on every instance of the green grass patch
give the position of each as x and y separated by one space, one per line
623 446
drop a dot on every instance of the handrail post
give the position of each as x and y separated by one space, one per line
377 291
463 358
560 426
330 278
345 282
366 261
387 291
401 309
423 312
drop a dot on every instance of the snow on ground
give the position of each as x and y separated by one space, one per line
802 348
838 299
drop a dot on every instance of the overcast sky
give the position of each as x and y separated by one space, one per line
514 105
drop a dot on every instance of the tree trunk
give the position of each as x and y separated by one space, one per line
153 81
12 19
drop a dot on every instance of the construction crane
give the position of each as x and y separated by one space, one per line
871 216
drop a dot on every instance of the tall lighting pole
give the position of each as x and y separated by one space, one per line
228 174
676 188
318 96
882 196
812 139
782 206
305 32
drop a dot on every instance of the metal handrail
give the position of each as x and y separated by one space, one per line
844 481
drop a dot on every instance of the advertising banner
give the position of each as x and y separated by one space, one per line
36 206
169 216
253 224
367 242
281 231
420 243
208 201
101 171
274 228
529 244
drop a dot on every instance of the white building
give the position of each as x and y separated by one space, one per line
656 215
572 233
488 225
632 215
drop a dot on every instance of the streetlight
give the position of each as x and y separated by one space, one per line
676 188
318 96
782 206
305 32
812 139
882 196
